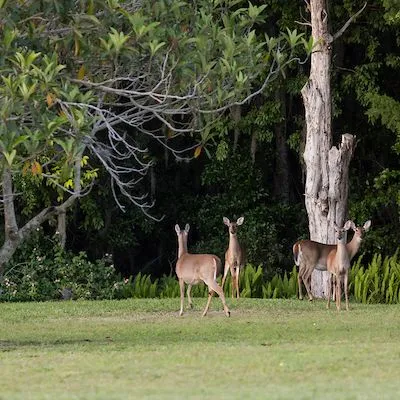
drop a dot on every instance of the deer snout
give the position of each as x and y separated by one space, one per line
340 236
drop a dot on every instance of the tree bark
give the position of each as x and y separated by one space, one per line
10 219
62 228
326 187
236 113
14 235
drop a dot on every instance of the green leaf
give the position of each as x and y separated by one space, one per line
155 45
9 156
308 44
255 11
292 37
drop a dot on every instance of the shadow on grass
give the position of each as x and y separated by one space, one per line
11 345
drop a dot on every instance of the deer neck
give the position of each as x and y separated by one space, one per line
353 245
182 246
233 241
341 251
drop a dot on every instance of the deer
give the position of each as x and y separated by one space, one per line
338 265
234 259
195 268
309 255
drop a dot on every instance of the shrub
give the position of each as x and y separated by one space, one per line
43 271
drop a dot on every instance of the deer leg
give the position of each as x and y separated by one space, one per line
338 292
189 288
216 288
182 289
237 282
226 270
233 273
329 290
299 283
210 295
346 292
307 282
334 291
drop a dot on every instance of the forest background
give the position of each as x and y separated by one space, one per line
244 161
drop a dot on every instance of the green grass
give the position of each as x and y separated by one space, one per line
141 349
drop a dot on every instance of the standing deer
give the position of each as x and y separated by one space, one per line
309 255
338 265
233 256
195 268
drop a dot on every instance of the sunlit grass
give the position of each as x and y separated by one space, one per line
141 349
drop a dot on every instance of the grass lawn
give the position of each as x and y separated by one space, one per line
142 349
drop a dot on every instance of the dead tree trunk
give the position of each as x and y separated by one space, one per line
326 187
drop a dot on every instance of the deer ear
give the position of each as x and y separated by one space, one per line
347 225
367 225
240 221
226 221
177 229
187 227
353 226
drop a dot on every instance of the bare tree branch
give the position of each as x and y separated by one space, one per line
346 25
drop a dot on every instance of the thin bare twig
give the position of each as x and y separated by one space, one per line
346 25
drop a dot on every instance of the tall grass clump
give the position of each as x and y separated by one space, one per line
379 282
253 283
281 287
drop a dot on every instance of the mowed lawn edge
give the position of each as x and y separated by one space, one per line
141 348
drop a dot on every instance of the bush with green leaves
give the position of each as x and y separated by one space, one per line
41 271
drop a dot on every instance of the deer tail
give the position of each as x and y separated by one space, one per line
297 253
